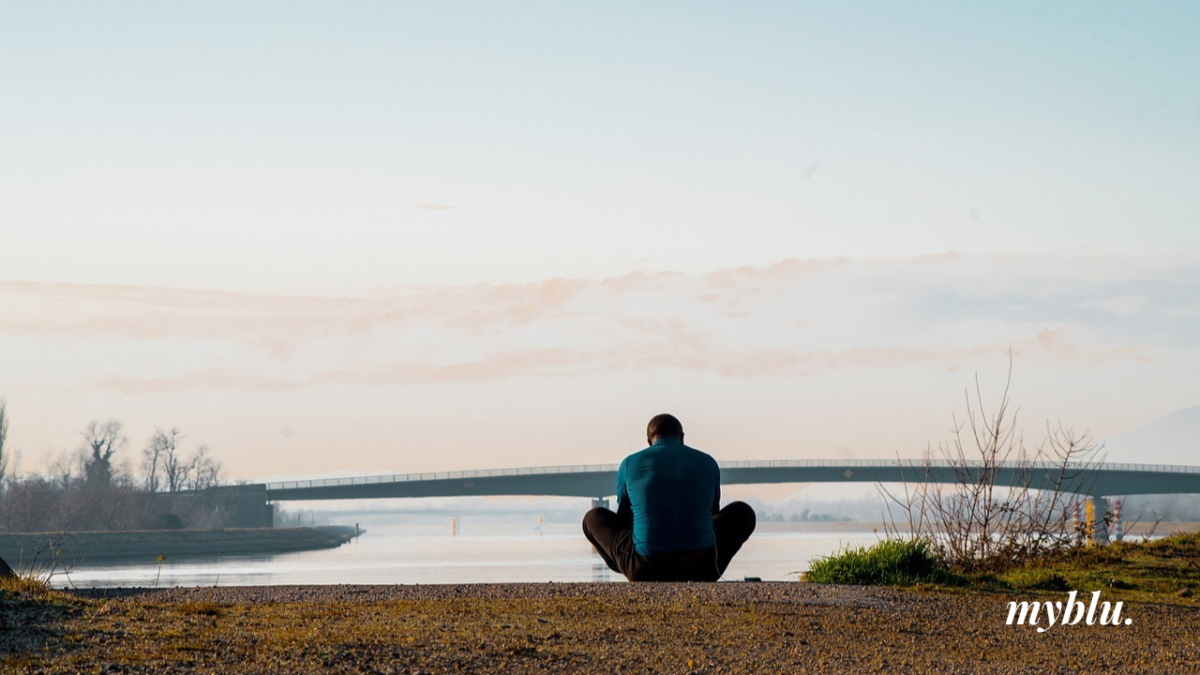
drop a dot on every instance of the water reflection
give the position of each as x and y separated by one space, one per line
429 554
600 572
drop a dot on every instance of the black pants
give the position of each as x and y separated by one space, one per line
613 538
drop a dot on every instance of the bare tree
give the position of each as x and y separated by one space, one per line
166 467
5 570
64 468
151 458
167 456
203 471
3 438
103 441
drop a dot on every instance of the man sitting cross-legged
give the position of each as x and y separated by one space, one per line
669 524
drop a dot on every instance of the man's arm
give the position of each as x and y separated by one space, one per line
716 507
624 510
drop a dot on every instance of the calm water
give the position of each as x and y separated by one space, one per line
480 553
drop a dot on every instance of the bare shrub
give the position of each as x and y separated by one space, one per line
28 505
985 500
50 558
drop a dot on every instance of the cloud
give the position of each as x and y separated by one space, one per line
679 349
793 318
432 206
812 169
530 363
1123 305
935 259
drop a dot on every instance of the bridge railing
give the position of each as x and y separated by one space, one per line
441 475
763 464
944 464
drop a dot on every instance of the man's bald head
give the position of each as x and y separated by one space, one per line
663 426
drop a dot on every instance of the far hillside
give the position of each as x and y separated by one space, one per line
1174 439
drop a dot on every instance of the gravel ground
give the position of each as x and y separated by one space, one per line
786 627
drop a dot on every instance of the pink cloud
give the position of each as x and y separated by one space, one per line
432 206
792 318
680 348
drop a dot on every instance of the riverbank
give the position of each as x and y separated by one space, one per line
1132 530
780 627
38 551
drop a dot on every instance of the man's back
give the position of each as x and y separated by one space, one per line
669 525
671 491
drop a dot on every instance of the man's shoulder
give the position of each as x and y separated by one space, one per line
651 453
703 457
636 457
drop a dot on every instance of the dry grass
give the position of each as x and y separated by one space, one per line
543 628
32 615
644 628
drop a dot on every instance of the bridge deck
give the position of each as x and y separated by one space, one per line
599 480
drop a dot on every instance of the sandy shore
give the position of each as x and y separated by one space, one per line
785 627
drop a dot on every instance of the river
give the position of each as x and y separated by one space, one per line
448 553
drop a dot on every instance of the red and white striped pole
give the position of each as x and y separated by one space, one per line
1118 526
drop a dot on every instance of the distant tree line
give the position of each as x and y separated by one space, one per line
96 488
1148 509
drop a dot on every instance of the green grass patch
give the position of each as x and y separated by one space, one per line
1163 570
893 562
1166 569
1034 579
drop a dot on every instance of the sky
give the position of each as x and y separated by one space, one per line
401 237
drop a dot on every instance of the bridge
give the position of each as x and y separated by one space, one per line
1097 482
599 480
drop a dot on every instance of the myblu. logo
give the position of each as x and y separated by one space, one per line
1068 614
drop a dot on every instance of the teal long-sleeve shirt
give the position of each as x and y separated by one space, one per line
671 492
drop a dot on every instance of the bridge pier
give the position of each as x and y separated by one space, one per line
247 505
1099 525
